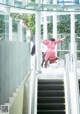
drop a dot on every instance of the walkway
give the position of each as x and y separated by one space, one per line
54 70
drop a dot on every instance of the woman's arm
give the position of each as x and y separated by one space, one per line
62 39
58 41
46 42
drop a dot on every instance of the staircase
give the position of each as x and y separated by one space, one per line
51 98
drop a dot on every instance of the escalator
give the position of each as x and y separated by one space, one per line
51 96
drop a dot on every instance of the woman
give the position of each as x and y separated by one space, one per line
50 54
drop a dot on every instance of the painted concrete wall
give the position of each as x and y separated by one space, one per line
14 65
17 106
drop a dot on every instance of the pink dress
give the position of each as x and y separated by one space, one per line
50 54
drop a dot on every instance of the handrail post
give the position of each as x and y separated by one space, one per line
66 83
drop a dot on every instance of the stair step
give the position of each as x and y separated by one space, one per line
51 112
51 93
50 87
50 82
51 97
51 100
51 106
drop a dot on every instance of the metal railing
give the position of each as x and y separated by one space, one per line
66 83
71 86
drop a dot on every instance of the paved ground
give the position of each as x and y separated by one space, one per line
55 70
52 71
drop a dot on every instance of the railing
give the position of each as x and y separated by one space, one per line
66 83
14 65
30 88
32 94
71 86
74 86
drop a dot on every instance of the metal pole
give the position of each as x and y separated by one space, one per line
10 28
20 31
55 23
45 24
37 38
74 94
45 27
72 39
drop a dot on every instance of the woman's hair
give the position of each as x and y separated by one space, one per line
52 39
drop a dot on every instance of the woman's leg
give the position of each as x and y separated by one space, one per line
42 59
46 62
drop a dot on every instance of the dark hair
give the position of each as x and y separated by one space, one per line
33 50
52 39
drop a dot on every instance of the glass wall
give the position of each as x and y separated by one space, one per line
4 27
63 23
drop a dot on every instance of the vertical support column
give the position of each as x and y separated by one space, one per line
37 38
72 39
10 28
73 80
20 31
28 34
45 24
45 27
55 24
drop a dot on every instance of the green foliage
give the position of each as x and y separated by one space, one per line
33 1
64 24
2 23
28 20
50 28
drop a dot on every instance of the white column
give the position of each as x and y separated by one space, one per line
45 24
55 24
74 90
72 34
28 34
45 27
10 29
20 31
37 39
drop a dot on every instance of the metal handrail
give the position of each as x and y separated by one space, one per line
66 83
71 85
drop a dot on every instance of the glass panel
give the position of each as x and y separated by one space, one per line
77 24
6 24
15 30
2 27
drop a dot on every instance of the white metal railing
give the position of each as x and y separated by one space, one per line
74 86
31 88
33 94
71 86
66 85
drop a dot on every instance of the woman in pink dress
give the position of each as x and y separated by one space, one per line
50 54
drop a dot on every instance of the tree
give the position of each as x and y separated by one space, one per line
28 20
